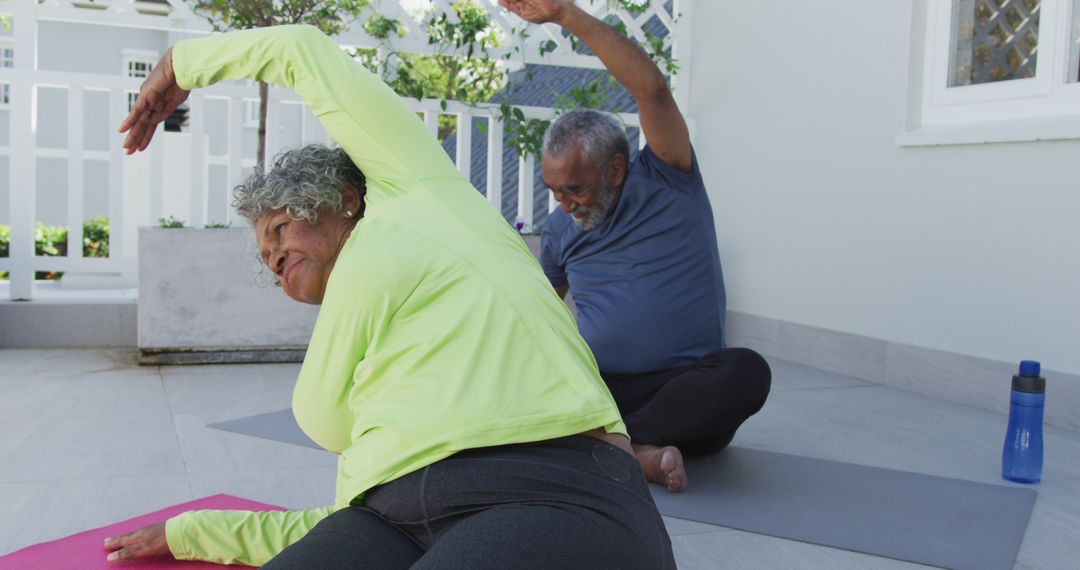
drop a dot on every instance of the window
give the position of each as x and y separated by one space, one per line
997 70
138 64
139 68
7 59
993 41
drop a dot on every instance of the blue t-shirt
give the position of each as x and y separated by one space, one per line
647 281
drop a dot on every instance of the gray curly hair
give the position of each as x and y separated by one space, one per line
600 134
303 182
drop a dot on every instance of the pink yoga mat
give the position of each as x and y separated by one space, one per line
84 551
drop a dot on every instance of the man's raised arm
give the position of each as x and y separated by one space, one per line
663 125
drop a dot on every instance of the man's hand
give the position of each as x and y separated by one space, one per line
536 11
145 542
158 97
661 121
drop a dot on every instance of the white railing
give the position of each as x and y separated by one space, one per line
172 177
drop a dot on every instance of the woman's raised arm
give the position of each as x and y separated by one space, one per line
364 116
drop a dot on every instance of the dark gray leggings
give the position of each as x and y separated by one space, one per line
696 407
573 502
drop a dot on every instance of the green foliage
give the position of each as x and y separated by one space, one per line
524 134
330 16
590 96
51 241
381 28
460 70
171 222
96 237
218 225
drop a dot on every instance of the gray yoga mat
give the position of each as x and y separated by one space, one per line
938 521
931 520
278 426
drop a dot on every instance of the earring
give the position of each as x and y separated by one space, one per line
348 213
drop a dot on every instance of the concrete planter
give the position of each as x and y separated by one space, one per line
199 302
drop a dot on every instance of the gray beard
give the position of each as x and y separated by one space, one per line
596 214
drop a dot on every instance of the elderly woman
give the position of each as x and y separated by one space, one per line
472 426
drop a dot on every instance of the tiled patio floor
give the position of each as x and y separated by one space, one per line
89 438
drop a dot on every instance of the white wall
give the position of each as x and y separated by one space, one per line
824 221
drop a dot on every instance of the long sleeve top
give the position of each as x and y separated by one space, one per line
438 330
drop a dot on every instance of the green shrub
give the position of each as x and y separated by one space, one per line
51 241
171 222
96 237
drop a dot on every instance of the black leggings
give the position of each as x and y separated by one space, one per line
573 502
696 408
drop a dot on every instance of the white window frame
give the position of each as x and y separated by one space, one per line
1044 107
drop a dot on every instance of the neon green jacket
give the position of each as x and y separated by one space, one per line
438 330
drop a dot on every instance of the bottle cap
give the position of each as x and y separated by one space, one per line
1028 380
1029 367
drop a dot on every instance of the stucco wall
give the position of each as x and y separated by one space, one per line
824 221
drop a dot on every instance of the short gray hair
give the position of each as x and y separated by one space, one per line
600 134
302 181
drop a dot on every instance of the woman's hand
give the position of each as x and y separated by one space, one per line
158 97
537 11
147 541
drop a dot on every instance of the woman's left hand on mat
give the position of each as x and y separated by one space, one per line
147 541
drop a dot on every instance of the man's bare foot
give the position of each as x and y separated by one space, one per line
663 465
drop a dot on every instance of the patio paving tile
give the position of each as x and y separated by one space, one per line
62 363
123 392
40 511
57 449
296 488
238 389
209 449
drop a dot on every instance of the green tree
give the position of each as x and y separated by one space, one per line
330 16
461 69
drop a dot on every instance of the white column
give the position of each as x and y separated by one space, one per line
75 171
464 145
157 176
122 235
236 146
525 189
273 128
495 163
198 161
23 166
431 121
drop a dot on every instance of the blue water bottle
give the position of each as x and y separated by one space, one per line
1022 458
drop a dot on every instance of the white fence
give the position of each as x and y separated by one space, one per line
139 188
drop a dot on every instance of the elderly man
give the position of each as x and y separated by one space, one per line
634 241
